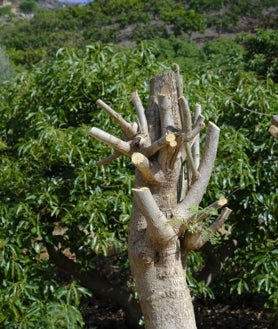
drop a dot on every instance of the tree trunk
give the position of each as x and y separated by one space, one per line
163 228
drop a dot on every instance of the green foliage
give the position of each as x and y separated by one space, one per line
5 10
261 53
245 169
6 69
195 262
188 55
28 7
184 21
49 179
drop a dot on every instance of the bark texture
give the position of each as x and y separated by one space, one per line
171 179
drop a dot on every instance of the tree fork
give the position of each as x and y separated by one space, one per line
159 240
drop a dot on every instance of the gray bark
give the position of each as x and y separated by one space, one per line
159 234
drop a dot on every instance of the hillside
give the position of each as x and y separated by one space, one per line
131 21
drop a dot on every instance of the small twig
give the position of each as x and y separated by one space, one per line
109 159
198 189
214 227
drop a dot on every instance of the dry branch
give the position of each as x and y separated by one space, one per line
116 143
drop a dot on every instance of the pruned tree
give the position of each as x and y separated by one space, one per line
171 177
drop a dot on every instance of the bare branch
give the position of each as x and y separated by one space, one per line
179 80
128 129
198 189
220 220
140 112
185 115
191 164
196 144
157 226
109 159
143 165
195 131
193 241
167 139
166 115
206 211
116 143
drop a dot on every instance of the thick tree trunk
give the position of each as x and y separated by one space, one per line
160 279
163 229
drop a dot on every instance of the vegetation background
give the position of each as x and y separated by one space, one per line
64 220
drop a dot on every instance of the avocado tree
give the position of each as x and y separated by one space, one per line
170 180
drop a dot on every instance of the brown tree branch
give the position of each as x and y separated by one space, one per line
191 164
198 126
